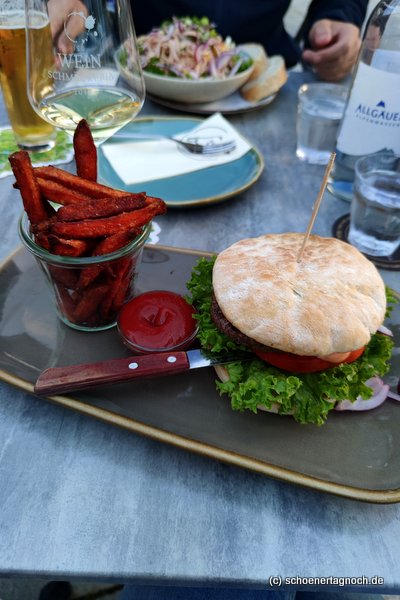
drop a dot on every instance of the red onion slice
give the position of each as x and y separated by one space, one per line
236 67
385 330
393 396
198 53
213 68
223 60
170 31
176 71
380 390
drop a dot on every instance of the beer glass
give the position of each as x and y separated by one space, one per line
30 131
95 72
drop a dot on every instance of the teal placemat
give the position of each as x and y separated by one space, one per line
61 153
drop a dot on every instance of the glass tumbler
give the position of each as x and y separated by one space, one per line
319 112
375 206
88 291
30 131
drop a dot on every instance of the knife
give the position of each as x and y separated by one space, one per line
57 380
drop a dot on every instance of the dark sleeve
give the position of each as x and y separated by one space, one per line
348 11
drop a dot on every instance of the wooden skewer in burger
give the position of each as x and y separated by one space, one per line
317 204
305 305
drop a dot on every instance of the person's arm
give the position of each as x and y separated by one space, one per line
332 36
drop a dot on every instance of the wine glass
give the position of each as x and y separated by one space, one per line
94 71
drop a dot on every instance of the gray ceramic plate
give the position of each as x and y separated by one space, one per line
206 186
352 455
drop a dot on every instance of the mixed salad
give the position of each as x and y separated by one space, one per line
191 48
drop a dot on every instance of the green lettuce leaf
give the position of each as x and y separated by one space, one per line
307 396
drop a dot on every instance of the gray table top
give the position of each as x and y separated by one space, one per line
82 499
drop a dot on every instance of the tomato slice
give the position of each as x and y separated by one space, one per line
302 364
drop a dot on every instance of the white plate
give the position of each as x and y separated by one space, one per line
207 186
233 104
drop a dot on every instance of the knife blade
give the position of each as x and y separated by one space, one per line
57 380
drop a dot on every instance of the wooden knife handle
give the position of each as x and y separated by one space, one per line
57 380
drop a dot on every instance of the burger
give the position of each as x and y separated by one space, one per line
308 328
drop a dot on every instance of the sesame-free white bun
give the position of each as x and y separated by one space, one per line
331 301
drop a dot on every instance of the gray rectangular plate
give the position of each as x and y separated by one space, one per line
356 455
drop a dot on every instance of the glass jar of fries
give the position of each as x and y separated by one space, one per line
88 291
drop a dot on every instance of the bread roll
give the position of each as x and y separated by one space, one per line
268 82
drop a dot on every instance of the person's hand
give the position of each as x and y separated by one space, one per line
58 10
334 48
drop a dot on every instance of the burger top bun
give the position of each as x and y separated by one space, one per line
330 301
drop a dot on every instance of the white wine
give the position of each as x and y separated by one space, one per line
86 79
105 109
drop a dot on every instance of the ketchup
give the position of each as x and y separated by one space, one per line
157 321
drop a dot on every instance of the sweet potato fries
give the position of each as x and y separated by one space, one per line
93 220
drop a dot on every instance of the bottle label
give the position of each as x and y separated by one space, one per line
372 118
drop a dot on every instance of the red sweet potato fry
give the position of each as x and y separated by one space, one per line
121 295
59 193
43 240
115 242
68 278
65 302
68 247
106 246
43 226
35 207
103 207
89 301
105 307
88 275
91 228
85 152
83 186
119 287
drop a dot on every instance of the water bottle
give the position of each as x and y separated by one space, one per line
371 120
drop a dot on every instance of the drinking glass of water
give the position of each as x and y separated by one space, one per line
95 73
375 207
319 112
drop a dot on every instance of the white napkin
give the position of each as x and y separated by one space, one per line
138 161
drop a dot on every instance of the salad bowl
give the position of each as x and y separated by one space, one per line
206 89
186 60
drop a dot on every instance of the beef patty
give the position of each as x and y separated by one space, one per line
231 331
